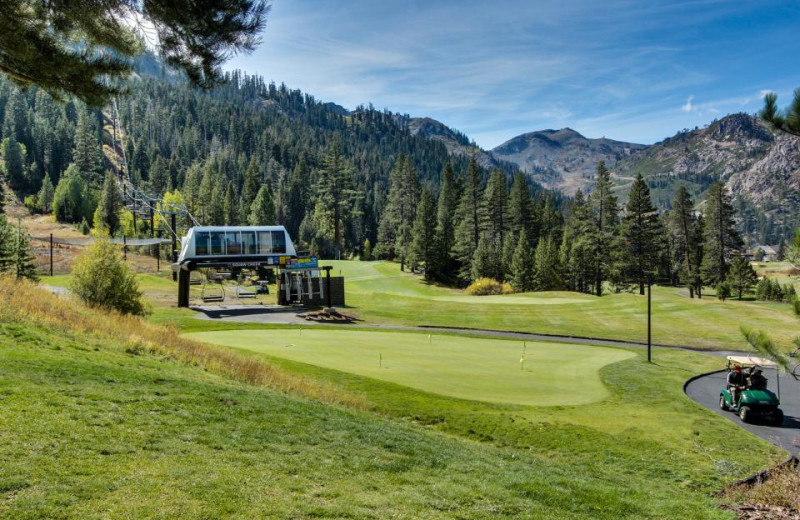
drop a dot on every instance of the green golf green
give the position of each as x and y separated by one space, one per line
468 368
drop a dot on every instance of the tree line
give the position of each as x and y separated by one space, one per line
471 230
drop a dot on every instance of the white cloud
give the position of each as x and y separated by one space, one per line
688 106
763 93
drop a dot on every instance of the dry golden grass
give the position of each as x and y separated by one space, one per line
23 301
781 489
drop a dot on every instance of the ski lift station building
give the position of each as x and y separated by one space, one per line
258 248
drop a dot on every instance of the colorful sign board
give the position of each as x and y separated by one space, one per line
303 263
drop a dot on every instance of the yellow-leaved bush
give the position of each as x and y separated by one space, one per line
486 286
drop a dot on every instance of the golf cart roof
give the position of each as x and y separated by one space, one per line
752 360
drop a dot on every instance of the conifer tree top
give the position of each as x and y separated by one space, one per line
67 47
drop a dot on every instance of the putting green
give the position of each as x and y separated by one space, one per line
467 368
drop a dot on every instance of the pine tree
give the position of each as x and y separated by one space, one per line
507 256
229 207
253 178
697 253
297 196
721 241
87 153
550 225
6 245
423 247
741 275
603 206
76 47
495 222
14 158
334 193
546 276
45 196
24 265
484 261
445 223
15 122
641 234
523 277
110 205
682 229
392 213
468 216
787 120
159 176
216 210
262 210
521 215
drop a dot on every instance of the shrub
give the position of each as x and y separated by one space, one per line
723 291
32 203
486 286
102 279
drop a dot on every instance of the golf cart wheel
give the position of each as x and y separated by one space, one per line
722 405
744 413
777 418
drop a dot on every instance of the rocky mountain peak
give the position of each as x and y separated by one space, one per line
562 159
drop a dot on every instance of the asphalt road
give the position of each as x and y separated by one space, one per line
706 389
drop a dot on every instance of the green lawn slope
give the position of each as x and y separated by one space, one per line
109 417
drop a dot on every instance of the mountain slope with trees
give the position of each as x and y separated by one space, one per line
759 165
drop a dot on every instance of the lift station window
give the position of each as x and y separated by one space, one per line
249 243
279 242
233 243
201 243
265 242
217 243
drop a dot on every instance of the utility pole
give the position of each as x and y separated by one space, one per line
51 254
19 243
649 283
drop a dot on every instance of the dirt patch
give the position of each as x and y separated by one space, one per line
763 512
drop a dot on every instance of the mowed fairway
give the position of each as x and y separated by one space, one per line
466 368
380 293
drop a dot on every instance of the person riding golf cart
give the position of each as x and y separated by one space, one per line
746 391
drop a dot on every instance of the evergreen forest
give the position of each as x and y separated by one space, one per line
347 184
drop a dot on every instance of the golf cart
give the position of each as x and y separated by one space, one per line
754 400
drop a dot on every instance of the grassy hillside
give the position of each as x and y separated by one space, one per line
105 416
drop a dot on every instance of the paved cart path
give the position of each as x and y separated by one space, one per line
705 390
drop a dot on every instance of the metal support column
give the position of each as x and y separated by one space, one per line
328 284
649 283
152 223
174 243
183 288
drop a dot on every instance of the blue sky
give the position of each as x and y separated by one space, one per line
629 70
